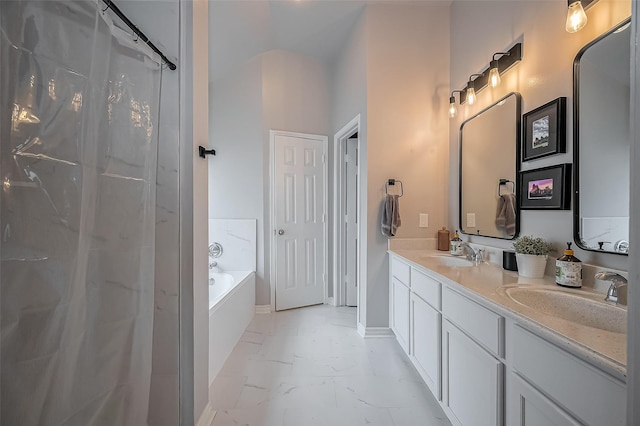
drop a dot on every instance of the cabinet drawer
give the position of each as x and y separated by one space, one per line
589 394
401 271
485 326
426 287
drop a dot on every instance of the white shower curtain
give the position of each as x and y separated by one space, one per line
79 105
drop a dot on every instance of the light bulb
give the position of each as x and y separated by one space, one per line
452 107
471 95
576 17
494 75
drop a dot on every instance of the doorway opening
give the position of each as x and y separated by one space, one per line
347 221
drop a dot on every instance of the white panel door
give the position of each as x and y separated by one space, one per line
300 217
351 222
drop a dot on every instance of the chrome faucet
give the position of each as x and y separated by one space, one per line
213 264
472 255
617 292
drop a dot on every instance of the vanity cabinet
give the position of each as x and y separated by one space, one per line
426 329
528 407
472 380
486 369
399 289
472 375
575 389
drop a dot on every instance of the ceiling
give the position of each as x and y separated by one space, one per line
242 29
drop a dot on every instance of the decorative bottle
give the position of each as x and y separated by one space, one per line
455 247
569 269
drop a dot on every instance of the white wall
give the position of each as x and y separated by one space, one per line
278 90
200 120
545 73
407 130
237 173
348 99
394 74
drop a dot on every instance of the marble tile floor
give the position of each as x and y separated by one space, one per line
309 366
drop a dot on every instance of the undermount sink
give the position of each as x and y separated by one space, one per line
451 260
582 309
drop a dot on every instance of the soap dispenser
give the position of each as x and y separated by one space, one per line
569 269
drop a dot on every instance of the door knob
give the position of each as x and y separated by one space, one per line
280 231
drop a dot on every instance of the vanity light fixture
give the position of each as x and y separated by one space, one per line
488 77
494 70
452 104
471 91
576 16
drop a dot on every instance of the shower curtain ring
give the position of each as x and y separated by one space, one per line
135 37
108 3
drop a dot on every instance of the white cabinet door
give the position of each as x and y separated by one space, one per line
426 326
472 381
528 407
400 314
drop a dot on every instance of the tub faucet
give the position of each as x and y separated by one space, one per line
213 264
618 290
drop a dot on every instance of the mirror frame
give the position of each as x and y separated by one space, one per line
518 142
576 140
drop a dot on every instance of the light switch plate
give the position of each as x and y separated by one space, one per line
471 220
424 220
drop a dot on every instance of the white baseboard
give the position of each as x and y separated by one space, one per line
374 332
263 309
207 416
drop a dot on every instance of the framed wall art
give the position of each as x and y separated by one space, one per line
545 130
546 188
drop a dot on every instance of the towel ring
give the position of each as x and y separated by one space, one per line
504 182
392 182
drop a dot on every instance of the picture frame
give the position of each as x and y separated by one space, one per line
545 131
547 188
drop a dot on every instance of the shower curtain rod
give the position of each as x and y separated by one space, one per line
140 34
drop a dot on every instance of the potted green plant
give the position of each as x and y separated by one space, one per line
531 255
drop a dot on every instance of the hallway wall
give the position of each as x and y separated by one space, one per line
404 130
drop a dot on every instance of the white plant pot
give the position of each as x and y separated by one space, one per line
531 265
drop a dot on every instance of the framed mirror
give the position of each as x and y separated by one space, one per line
489 166
601 142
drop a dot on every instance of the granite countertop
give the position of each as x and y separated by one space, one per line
604 349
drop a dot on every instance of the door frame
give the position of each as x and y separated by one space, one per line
340 138
272 208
